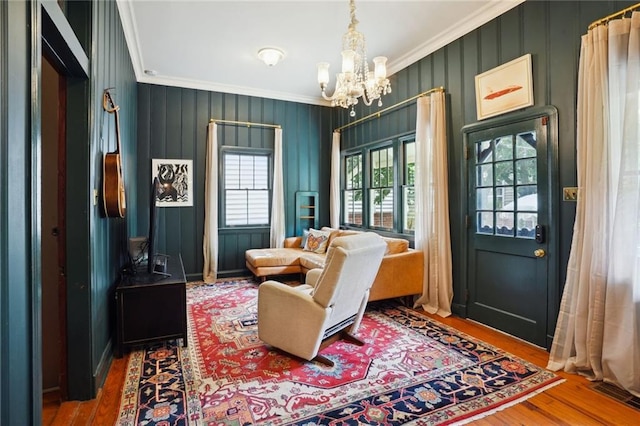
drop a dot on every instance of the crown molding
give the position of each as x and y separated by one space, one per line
486 14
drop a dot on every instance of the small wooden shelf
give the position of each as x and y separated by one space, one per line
306 211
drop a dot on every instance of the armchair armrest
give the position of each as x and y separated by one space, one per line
312 276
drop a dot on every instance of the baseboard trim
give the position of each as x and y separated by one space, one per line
102 370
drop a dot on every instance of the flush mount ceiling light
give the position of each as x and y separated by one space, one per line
355 80
270 55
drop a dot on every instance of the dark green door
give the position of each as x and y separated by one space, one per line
509 212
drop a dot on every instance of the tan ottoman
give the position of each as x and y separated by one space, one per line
277 261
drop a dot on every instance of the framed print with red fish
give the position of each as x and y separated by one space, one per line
505 88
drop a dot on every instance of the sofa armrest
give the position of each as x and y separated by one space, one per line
399 275
292 242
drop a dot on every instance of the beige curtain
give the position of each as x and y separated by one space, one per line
432 234
598 328
277 233
210 240
334 188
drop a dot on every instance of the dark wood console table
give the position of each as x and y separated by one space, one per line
152 307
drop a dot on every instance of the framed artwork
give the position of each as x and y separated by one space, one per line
176 182
504 88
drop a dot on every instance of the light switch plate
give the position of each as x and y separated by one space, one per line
570 193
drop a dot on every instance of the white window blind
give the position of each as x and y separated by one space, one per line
246 188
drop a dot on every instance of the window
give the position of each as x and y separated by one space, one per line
408 188
381 193
246 189
352 195
378 185
507 186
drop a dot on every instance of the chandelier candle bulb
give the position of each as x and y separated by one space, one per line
348 61
381 67
323 73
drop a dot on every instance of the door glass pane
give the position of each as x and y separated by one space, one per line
484 199
526 145
526 224
504 198
485 223
504 173
504 225
504 148
483 152
526 171
484 175
528 198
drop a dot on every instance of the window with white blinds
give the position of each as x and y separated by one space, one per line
246 189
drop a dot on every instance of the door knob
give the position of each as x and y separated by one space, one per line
539 253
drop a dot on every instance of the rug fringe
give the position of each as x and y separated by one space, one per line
508 404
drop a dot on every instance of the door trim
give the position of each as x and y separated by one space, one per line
553 235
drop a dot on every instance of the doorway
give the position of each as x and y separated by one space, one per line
511 254
53 249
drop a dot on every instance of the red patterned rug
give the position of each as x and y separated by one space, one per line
412 370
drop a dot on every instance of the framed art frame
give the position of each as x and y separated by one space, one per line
176 182
505 88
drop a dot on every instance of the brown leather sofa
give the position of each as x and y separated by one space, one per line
400 272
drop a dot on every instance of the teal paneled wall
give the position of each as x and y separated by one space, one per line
172 123
91 316
550 32
19 358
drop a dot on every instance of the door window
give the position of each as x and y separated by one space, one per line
506 185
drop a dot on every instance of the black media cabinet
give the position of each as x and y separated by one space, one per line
152 307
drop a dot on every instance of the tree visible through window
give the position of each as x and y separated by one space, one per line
246 189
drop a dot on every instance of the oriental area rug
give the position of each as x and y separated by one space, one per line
412 370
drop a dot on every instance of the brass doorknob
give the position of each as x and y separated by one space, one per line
539 253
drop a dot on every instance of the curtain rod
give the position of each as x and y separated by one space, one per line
614 15
379 113
244 123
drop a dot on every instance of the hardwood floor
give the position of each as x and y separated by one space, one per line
570 403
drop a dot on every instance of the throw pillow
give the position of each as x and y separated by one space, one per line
316 241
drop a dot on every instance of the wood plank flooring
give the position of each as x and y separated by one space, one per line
570 403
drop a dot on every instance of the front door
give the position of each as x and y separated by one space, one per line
509 216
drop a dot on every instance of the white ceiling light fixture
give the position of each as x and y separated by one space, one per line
270 55
355 80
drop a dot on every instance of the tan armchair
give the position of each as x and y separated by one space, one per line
302 320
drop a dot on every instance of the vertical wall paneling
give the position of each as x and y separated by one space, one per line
98 245
18 387
182 134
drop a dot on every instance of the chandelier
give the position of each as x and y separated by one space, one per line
355 80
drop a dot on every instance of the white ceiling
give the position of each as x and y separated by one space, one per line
213 45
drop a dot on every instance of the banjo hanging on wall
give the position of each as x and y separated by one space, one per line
113 194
